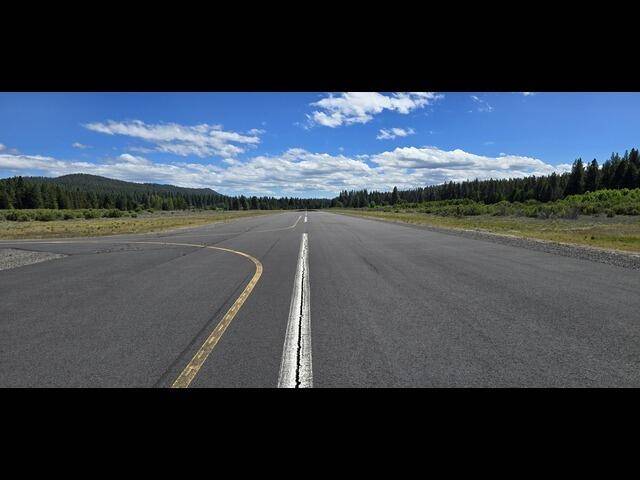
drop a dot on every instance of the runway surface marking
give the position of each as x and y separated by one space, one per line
278 229
193 367
295 369
290 227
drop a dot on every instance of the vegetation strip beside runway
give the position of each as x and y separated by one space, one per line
82 224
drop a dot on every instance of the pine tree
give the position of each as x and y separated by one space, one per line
5 203
619 175
575 185
395 197
630 176
592 177
634 157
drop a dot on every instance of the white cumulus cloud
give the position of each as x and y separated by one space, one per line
200 140
433 165
360 107
297 171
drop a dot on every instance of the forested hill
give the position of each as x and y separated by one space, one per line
80 191
92 191
95 183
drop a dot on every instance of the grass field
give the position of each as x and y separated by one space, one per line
621 232
142 223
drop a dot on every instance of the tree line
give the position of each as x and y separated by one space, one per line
86 192
615 173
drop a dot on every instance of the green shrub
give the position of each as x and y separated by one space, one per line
113 213
20 216
605 202
571 213
45 216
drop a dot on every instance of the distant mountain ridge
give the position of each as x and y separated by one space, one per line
84 191
96 183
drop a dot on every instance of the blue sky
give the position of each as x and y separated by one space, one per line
310 144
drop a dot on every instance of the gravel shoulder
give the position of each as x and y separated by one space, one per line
611 257
14 258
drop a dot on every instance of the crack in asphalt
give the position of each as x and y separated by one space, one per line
302 293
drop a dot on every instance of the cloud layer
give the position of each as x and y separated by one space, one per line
360 107
297 171
391 133
200 140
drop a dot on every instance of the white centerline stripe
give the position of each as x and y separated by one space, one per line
295 369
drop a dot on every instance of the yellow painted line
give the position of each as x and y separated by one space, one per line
278 229
261 231
194 366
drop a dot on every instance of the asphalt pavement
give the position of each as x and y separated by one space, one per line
388 306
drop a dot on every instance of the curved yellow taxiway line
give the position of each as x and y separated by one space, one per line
193 367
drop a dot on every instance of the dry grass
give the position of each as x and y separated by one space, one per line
617 233
154 222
